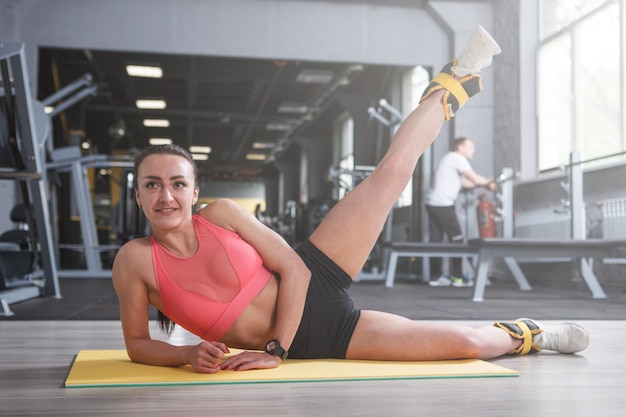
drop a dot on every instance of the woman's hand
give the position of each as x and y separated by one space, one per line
207 356
250 360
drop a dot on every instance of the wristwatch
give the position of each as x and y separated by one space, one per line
273 347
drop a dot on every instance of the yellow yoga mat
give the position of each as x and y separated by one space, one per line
113 368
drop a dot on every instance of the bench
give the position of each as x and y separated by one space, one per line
510 249
424 250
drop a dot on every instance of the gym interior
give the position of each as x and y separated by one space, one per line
287 105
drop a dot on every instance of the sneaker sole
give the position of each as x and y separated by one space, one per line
477 54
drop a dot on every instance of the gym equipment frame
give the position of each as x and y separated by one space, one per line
69 160
26 132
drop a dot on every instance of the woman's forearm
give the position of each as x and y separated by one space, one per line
156 352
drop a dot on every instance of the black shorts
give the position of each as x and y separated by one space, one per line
329 316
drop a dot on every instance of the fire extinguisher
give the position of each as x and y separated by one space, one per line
486 222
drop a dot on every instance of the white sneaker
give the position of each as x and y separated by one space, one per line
563 338
477 54
443 281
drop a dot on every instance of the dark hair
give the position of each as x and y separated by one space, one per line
456 144
170 149
165 323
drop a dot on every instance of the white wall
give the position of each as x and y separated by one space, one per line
307 30
9 20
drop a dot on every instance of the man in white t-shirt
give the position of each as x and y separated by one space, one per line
453 173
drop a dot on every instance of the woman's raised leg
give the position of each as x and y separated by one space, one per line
349 232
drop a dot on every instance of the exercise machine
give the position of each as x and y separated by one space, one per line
28 271
70 162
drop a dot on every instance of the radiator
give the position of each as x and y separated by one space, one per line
549 222
614 218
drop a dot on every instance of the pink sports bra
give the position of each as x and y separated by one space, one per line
207 292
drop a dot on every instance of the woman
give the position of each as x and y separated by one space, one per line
226 277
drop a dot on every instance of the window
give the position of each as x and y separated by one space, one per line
598 65
554 108
558 14
579 82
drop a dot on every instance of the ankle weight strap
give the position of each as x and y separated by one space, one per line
522 330
451 84
457 91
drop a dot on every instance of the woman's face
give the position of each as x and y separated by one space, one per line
166 189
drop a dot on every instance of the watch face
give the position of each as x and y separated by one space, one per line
273 347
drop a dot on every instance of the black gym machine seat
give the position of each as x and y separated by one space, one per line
18 259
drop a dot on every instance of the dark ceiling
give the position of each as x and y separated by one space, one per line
228 104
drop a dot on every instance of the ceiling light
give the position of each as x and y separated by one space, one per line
160 141
48 109
156 123
256 157
200 149
200 156
278 126
291 107
314 76
150 104
144 71
355 68
263 145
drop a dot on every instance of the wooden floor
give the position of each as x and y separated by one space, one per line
35 357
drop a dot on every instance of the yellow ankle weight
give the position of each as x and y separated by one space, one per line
521 330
